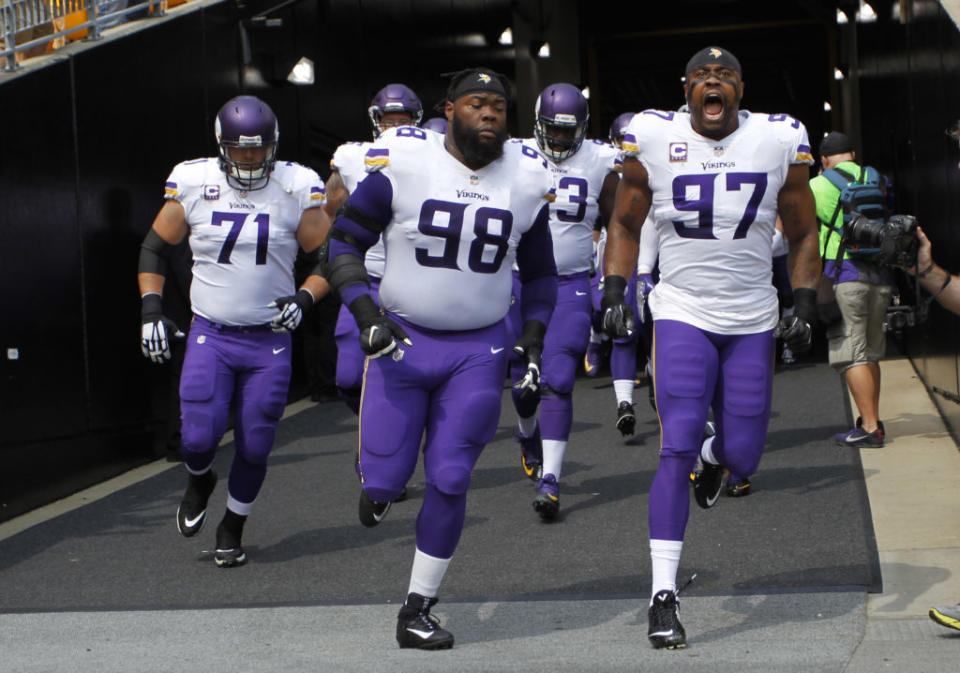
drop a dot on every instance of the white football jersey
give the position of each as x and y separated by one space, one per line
348 160
715 206
578 180
454 233
244 243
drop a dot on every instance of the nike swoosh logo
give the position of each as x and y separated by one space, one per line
190 523
579 293
279 350
423 634
495 350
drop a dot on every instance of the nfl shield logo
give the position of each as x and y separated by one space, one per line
718 151
678 151
474 179
397 354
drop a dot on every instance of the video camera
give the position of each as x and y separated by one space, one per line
892 240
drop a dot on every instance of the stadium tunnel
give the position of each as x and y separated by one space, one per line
92 130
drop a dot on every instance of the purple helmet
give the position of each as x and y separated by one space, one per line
394 98
245 122
618 126
438 124
560 107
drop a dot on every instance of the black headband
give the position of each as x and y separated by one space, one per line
478 82
712 55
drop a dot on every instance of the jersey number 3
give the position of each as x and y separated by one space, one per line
704 207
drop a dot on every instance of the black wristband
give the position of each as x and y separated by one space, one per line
365 311
151 307
304 299
614 289
805 304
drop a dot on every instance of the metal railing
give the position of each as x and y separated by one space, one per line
18 16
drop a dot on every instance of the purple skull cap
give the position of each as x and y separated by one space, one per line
618 126
560 106
243 122
394 98
438 124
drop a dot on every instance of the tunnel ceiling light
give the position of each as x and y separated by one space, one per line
842 17
826 106
866 14
586 92
838 74
302 72
544 50
506 37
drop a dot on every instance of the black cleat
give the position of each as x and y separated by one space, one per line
531 455
547 500
707 482
229 552
416 627
371 512
739 487
665 631
626 419
192 512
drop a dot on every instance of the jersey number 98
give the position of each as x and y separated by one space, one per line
444 220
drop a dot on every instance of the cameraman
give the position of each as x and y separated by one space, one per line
863 290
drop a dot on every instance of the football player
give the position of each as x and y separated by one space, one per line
455 211
245 214
715 179
592 359
586 180
394 105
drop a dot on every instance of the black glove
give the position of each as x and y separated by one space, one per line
156 329
378 334
797 330
617 317
530 347
292 309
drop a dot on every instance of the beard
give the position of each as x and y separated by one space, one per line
477 152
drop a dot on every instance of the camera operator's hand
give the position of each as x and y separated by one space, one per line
924 255
797 330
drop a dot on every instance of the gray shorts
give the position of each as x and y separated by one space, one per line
859 338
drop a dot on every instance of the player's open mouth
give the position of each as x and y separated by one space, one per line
713 106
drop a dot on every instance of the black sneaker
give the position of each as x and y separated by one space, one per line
626 418
707 482
547 500
371 512
531 454
416 627
229 552
860 438
665 631
192 512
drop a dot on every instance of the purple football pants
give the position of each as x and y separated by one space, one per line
247 369
447 386
350 357
563 347
694 370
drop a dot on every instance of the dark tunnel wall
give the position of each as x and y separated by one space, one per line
91 138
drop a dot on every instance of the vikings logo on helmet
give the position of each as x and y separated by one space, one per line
247 122
561 115
484 77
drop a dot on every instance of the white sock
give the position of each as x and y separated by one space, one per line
706 451
623 388
665 559
595 338
427 573
237 507
553 450
527 426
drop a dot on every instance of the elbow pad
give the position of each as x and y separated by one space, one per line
152 252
